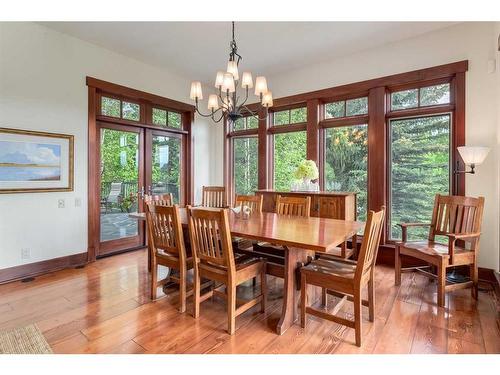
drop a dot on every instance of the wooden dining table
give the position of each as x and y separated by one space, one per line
300 237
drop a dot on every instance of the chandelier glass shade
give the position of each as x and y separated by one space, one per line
227 104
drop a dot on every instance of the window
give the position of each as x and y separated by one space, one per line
421 97
243 123
165 118
419 169
346 167
289 152
290 116
166 165
131 111
112 107
346 108
245 154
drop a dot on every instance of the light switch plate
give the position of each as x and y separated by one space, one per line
60 203
78 202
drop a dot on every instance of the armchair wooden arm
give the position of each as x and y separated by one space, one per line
405 226
452 237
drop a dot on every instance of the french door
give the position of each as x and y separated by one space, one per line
133 161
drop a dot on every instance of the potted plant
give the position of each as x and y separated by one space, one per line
307 171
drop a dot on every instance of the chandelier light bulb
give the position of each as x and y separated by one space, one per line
260 85
196 92
213 102
219 79
267 99
232 67
228 84
246 80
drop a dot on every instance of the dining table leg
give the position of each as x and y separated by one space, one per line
294 259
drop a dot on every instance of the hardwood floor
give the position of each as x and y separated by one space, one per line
104 308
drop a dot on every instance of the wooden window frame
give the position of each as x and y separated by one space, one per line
98 88
378 92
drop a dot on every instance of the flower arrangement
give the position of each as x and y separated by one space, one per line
307 170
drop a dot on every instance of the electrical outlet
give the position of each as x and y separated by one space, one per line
60 203
78 202
25 253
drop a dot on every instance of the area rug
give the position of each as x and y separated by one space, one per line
24 340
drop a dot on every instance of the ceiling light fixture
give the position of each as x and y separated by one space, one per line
231 107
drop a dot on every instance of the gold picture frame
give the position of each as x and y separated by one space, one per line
35 162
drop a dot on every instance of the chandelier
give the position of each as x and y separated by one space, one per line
231 105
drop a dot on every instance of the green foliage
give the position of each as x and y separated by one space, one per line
346 155
289 152
131 111
307 169
110 107
420 160
245 165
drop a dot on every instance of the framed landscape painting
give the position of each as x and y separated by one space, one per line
35 161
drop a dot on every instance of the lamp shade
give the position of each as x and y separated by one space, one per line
219 79
228 84
260 85
267 99
246 80
196 92
473 154
213 102
232 67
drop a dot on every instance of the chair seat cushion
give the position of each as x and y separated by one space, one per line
331 267
430 248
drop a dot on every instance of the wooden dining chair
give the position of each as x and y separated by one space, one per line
459 219
166 244
275 254
254 204
346 278
214 196
161 199
215 260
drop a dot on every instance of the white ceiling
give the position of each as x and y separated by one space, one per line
196 50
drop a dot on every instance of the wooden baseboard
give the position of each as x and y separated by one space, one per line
38 268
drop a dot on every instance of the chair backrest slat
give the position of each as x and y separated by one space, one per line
254 202
371 240
211 237
214 196
161 199
294 206
455 214
165 229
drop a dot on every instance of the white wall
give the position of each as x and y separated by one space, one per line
475 42
42 87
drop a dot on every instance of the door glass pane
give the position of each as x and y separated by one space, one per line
289 152
245 165
420 168
119 183
166 166
346 157
131 111
110 107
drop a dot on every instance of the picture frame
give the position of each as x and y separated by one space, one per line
35 162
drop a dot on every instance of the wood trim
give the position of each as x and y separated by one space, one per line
421 111
280 129
38 268
263 147
344 121
243 133
426 74
313 107
93 175
188 145
138 95
377 152
458 135
114 120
